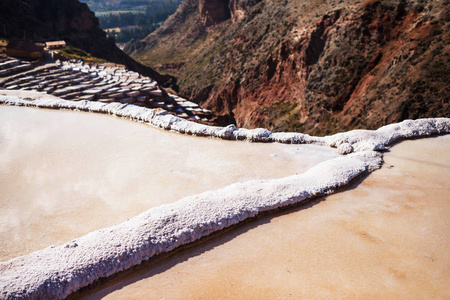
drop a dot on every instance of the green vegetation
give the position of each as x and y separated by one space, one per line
3 42
135 18
125 34
153 13
115 5
75 53
282 116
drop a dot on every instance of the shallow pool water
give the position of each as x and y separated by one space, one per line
65 173
385 237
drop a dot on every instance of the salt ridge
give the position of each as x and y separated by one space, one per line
58 271
346 142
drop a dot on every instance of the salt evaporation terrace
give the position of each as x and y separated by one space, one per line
104 83
65 174
384 237
58 271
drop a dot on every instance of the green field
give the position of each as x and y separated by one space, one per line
104 7
116 12
131 19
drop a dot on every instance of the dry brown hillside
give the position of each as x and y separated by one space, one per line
69 20
313 66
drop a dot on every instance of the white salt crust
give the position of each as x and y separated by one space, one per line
346 142
58 271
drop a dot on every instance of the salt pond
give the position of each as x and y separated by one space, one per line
385 237
58 271
64 174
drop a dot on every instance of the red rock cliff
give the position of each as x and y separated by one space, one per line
213 12
312 66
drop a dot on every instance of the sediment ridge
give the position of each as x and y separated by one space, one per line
58 271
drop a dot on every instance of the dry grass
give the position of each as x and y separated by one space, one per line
78 54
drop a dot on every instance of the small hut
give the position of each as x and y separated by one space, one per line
55 44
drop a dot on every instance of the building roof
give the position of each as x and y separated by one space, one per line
24 45
55 43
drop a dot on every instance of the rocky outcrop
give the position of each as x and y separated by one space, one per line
41 20
213 12
239 8
312 67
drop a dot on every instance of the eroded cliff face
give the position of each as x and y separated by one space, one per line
359 68
311 66
213 12
69 20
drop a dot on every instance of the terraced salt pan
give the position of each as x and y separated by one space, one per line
386 237
56 272
64 174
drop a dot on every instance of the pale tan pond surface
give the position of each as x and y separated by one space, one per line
64 173
386 237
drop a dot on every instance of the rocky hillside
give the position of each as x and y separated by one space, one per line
64 19
317 67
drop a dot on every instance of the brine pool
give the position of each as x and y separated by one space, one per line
64 174
385 237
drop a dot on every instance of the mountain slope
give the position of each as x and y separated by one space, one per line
313 66
69 20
